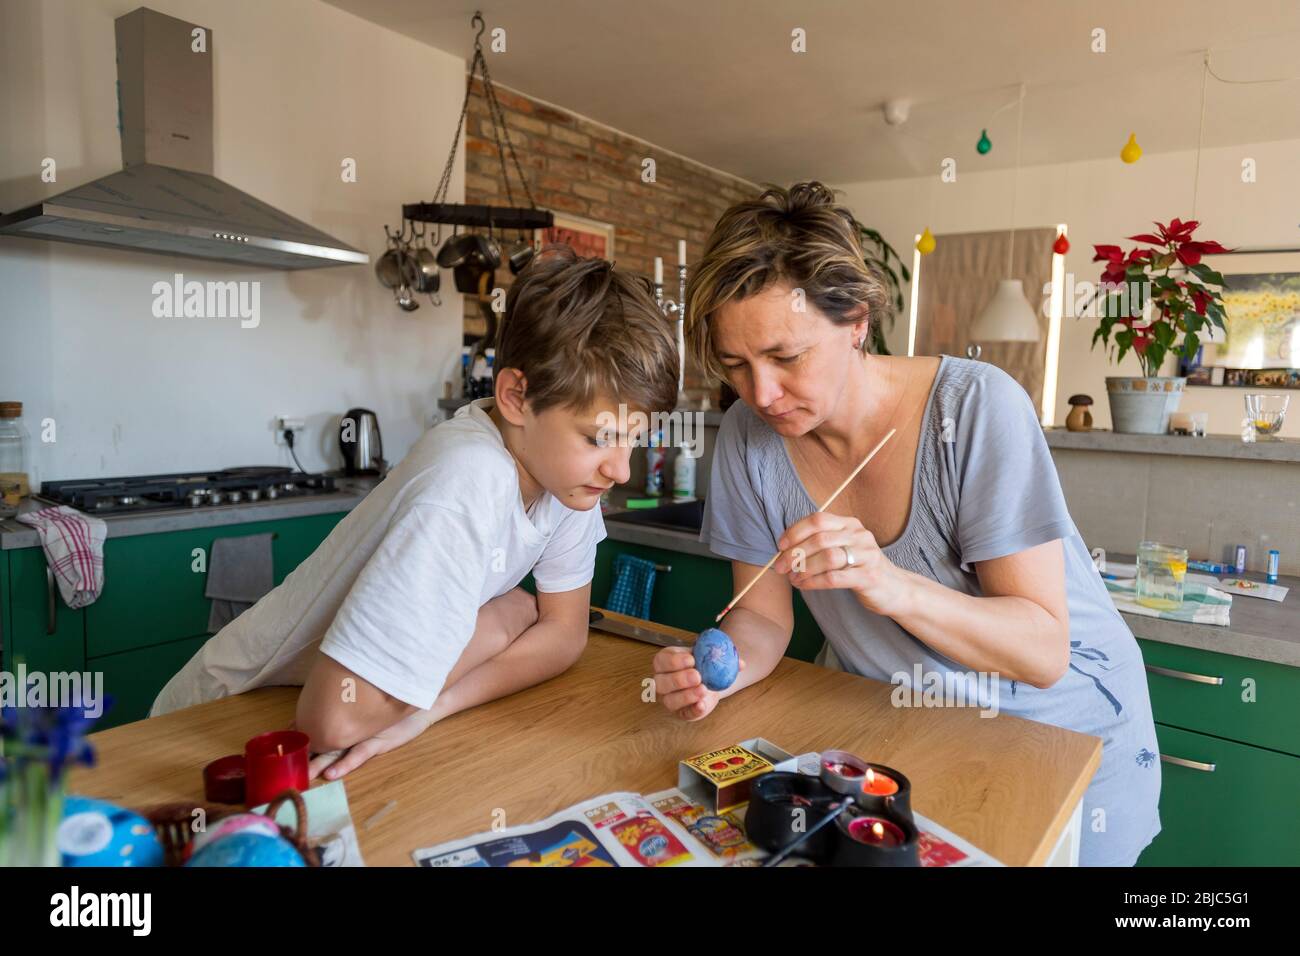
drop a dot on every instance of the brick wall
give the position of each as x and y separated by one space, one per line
587 170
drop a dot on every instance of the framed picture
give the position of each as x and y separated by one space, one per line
1261 299
590 239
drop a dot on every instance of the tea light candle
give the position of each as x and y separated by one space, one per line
879 784
275 762
876 832
223 780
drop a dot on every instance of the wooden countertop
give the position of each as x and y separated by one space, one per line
1006 784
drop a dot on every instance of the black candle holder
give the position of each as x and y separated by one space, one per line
847 773
784 806
851 849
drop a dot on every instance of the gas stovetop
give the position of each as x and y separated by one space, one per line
187 490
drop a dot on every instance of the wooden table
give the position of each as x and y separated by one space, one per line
1011 786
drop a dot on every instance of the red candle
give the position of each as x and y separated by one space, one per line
843 768
876 831
273 763
223 780
879 784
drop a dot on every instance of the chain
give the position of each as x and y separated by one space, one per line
497 115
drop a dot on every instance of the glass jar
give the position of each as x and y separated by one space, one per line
15 457
1160 573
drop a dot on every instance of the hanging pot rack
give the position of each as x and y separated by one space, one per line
490 217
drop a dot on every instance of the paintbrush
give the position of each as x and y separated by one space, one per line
834 494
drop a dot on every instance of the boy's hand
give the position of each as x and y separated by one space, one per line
679 685
338 763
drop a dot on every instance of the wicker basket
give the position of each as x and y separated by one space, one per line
172 822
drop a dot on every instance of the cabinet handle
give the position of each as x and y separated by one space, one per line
1184 675
1189 764
51 607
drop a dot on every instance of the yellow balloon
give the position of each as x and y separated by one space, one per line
925 245
1131 152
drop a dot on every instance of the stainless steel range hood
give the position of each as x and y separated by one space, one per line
165 199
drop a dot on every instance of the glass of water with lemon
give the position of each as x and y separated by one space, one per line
1160 573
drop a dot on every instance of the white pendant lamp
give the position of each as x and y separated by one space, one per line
1008 317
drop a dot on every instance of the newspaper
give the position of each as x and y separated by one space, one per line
667 828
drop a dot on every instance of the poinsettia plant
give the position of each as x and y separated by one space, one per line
1185 295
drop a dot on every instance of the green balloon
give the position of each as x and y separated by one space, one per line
985 144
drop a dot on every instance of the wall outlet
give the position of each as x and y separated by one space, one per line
286 423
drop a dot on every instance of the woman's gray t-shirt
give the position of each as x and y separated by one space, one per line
984 486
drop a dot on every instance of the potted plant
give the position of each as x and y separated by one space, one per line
1158 299
878 254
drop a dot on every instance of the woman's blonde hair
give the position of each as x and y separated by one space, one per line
800 236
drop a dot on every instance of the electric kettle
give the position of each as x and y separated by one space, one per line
361 444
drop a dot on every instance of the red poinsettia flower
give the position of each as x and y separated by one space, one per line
1108 253
1140 343
1177 230
1199 299
1147 237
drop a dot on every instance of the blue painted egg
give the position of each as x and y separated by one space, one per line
96 833
247 848
716 659
239 822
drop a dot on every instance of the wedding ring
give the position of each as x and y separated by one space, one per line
848 557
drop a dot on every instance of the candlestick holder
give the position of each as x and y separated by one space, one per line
676 309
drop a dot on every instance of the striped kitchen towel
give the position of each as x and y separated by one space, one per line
1201 604
633 588
74 550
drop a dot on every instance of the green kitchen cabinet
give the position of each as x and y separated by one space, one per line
1238 698
133 678
155 574
1229 733
693 592
151 617
1224 803
38 628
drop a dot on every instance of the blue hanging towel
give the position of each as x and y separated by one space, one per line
633 588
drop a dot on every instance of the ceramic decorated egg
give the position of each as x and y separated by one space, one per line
716 659
95 833
247 848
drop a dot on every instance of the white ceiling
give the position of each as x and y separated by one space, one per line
716 80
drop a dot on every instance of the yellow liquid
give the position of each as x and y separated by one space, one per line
11 495
1159 604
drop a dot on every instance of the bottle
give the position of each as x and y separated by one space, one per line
654 465
465 389
15 457
683 476
476 377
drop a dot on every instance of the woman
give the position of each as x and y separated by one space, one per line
952 552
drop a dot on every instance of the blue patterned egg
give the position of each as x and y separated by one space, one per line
96 833
247 848
716 659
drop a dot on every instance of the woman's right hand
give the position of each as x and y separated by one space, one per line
679 685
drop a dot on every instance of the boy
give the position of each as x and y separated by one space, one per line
409 611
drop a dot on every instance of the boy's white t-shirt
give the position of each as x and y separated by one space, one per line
393 593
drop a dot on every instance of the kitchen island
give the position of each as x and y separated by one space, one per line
1012 787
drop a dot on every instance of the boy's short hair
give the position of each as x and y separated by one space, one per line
577 328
